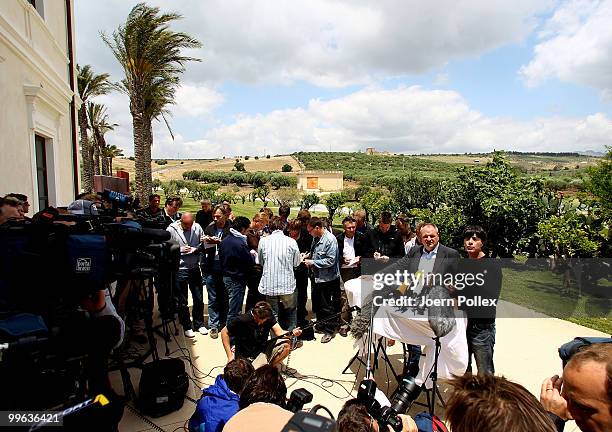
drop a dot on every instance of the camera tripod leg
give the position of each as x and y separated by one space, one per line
355 358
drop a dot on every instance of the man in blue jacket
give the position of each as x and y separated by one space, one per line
324 265
236 264
219 402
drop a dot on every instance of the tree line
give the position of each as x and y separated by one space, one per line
241 178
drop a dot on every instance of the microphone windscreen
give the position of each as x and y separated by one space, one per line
441 318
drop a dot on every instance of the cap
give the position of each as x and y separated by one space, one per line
83 207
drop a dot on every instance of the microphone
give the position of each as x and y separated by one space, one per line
441 318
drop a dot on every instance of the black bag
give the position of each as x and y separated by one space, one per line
163 386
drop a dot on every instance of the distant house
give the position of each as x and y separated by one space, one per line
370 151
320 181
38 122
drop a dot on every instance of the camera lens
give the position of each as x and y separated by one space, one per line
406 394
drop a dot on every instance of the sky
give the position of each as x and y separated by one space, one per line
404 76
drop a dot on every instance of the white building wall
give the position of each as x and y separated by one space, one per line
35 98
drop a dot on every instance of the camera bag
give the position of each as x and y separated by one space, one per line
163 386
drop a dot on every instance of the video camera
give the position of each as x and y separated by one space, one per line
406 394
48 266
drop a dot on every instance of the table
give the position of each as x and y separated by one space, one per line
410 328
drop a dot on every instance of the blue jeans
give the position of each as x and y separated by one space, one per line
481 340
217 300
235 292
287 316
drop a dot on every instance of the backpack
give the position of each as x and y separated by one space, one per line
429 423
568 349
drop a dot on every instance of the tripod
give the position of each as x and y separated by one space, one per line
378 348
142 286
433 375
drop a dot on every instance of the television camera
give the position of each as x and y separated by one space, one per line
48 266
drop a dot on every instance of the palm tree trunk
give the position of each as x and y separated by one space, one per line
85 151
103 157
110 165
149 176
96 154
137 108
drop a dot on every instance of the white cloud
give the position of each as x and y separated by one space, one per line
196 101
406 119
328 43
576 46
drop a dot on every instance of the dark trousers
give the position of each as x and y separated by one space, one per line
481 341
191 278
346 274
327 296
301 287
253 294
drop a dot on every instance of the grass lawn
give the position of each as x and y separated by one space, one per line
247 209
540 291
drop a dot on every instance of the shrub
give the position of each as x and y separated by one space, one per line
287 168
161 161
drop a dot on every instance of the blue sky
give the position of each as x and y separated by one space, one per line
402 76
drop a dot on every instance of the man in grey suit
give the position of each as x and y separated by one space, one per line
431 258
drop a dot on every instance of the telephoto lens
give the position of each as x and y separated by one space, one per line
406 394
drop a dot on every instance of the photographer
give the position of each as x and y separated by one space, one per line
187 234
262 403
354 417
487 403
220 401
584 393
250 332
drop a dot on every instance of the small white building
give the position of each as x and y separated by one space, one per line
320 181
38 142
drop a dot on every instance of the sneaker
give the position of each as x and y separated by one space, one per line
214 333
344 330
327 337
203 330
189 333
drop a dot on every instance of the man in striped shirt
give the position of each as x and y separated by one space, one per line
279 255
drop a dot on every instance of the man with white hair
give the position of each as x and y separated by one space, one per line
187 234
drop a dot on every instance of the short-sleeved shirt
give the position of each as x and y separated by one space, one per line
250 338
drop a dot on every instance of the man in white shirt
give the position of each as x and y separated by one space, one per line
279 255
352 246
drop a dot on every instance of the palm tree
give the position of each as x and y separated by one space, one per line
150 54
110 152
98 121
89 85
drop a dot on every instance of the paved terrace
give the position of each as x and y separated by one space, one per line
525 352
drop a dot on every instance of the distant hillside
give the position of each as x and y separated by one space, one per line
175 168
372 168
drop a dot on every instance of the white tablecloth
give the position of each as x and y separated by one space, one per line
411 328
